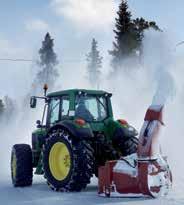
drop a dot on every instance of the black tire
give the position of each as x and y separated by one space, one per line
81 169
129 146
105 152
21 168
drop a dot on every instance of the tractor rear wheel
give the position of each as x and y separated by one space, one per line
129 146
67 164
21 165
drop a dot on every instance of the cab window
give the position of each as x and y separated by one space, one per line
54 110
58 108
91 108
65 106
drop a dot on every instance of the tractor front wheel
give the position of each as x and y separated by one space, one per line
21 165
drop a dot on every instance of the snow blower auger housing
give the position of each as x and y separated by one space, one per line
76 136
143 174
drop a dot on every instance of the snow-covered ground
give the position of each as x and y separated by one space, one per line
40 193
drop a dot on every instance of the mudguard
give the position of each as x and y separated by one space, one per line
114 130
77 131
124 132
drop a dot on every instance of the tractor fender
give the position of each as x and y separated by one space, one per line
78 132
126 132
115 130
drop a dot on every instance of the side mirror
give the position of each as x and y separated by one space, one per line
33 102
38 122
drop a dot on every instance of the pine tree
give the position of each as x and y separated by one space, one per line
47 62
129 34
126 35
94 61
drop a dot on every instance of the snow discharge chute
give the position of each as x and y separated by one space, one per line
146 173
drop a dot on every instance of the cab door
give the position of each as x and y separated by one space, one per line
54 111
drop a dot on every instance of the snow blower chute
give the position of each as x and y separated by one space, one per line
143 174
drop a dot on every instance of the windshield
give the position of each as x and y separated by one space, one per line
91 108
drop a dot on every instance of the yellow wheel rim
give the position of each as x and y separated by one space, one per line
14 166
59 161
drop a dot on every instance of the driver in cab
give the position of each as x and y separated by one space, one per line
82 111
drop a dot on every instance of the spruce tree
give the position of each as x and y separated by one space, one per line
94 61
129 34
47 62
126 35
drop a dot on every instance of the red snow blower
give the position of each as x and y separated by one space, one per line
146 173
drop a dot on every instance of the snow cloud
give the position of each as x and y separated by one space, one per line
86 14
36 25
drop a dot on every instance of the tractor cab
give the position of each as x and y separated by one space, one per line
92 106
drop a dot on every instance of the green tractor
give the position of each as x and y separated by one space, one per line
76 136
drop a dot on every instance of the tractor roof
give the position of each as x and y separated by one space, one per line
70 91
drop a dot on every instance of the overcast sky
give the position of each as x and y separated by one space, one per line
72 23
